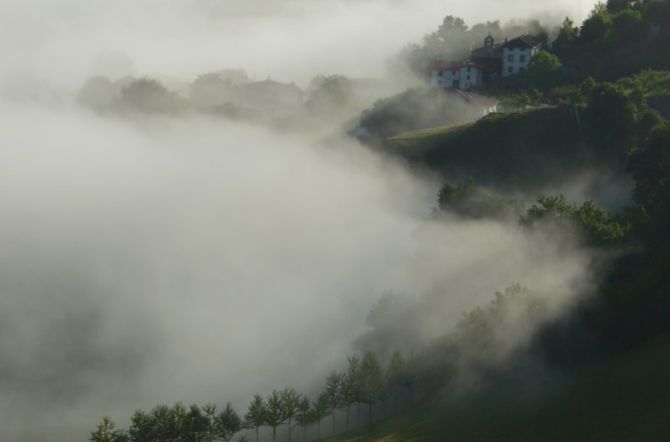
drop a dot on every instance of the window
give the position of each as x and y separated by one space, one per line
510 69
510 57
522 58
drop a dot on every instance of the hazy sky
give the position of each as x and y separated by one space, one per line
290 40
163 259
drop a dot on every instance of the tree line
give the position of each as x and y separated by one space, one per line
363 383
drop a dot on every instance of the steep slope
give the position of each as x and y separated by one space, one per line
626 400
537 148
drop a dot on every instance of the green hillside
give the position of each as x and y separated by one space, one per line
535 147
626 400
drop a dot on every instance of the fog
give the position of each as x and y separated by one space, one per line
153 259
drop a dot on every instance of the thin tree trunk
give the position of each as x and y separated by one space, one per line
358 413
289 430
370 414
395 399
274 434
318 429
333 420
257 434
346 424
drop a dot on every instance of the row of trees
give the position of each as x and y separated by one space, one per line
363 382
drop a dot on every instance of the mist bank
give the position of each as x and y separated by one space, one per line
156 259
187 38
160 258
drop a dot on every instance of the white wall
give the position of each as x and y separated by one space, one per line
515 60
470 78
443 78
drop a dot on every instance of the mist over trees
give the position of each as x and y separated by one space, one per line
454 39
452 197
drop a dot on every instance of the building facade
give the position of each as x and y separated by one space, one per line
466 75
486 64
517 54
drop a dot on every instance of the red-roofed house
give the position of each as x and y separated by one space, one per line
485 64
464 75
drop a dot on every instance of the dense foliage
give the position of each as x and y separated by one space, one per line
618 39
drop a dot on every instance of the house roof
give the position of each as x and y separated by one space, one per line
487 52
524 41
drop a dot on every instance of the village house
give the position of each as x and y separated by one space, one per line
485 64
517 53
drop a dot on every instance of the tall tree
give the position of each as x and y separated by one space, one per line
350 386
255 417
304 418
228 423
290 401
166 421
106 431
141 427
332 392
371 381
274 412
395 375
320 410
193 423
211 412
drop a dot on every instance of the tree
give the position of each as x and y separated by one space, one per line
255 417
274 412
618 5
611 117
320 410
148 95
228 423
544 71
332 393
568 33
371 381
168 421
106 432
595 27
395 376
651 170
304 417
350 391
141 427
330 93
593 223
211 412
193 424
290 402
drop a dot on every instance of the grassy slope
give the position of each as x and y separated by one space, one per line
627 400
536 147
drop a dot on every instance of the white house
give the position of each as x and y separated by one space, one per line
462 75
517 53
486 64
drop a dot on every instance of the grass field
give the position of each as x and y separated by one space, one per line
531 149
627 400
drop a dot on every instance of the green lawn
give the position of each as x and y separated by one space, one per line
627 400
